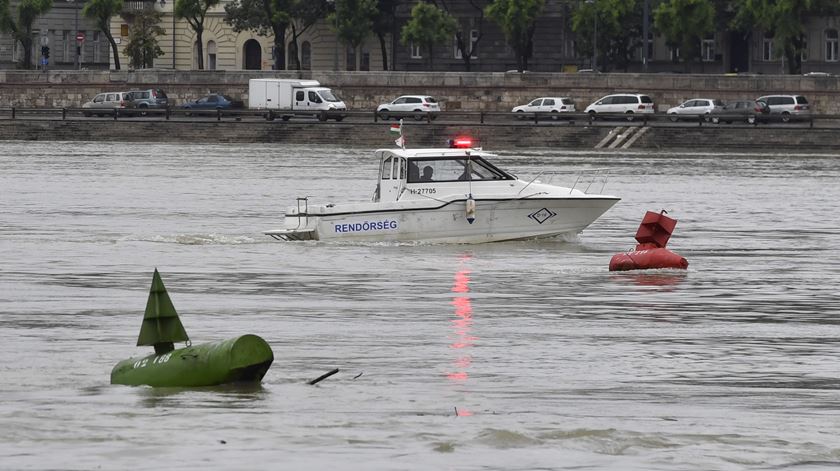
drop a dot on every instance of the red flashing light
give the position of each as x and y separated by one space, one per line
461 143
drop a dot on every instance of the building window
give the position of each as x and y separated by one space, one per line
365 65
211 55
306 56
65 39
650 47
291 53
415 51
96 47
470 47
767 48
803 54
351 58
708 48
675 54
124 30
831 40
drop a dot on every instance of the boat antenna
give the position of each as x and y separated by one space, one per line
161 326
469 169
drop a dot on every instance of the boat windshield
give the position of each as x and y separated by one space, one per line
449 169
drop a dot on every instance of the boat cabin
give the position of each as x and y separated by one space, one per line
427 168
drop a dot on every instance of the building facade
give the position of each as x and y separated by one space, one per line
58 30
318 48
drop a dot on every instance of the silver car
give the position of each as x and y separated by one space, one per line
105 103
787 107
418 106
695 109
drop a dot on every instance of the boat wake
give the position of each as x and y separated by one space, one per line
201 239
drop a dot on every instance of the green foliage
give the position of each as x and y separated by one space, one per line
353 20
685 23
429 25
101 11
619 30
264 17
517 19
304 14
142 46
194 11
384 23
785 20
21 27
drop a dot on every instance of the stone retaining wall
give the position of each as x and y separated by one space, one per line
732 138
456 91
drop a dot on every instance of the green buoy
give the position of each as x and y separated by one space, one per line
240 359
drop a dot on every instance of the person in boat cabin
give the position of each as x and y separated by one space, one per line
427 174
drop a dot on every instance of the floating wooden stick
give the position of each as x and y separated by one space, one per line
324 376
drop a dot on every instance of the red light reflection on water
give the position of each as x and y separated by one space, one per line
461 325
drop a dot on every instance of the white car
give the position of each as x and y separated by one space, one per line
546 105
695 108
622 103
417 106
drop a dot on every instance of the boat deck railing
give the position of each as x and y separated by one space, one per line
586 180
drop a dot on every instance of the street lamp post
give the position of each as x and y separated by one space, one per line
172 33
78 46
594 61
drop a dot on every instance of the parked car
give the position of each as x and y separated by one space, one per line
214 101
154 98
743 110
553 105
409 105
626 103
696 108
787 107
105 103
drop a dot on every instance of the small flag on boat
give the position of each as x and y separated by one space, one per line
400 142
396 128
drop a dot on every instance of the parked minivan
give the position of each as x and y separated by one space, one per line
627 103
105 103
787 106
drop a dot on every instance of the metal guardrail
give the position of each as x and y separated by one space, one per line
460 117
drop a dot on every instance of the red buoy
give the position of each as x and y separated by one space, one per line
652 236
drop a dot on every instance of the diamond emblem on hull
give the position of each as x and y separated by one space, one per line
542 215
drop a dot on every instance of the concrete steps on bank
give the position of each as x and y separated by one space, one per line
622 137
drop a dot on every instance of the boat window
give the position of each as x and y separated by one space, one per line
453 169
402 174
386 168
413 172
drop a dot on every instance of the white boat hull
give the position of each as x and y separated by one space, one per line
446 222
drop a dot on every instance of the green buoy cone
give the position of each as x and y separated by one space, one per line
241 359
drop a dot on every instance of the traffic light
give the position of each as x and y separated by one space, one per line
45 51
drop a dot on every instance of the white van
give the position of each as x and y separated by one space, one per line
291 97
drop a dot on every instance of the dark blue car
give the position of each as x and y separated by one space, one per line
214 102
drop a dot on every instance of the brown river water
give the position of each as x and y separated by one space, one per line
509 356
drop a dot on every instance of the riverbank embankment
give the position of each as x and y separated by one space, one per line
490 92
731 138
458 92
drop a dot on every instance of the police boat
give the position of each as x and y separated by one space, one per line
451 195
